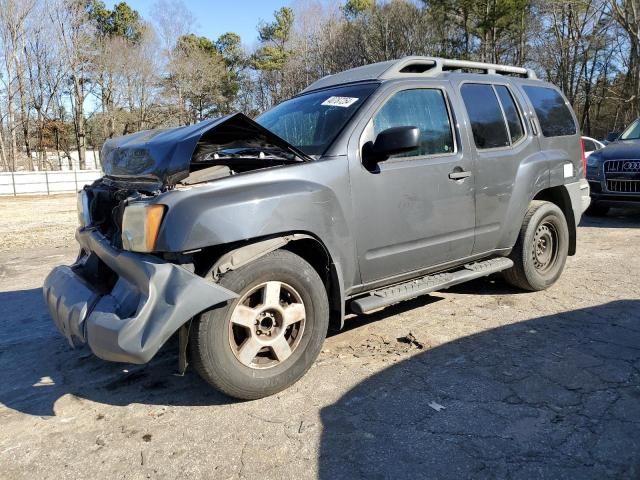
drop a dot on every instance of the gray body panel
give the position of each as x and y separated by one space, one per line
311 198
379 227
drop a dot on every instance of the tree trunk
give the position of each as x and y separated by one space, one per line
3 153
79 122
11 126
24 114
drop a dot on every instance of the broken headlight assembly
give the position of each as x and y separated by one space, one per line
140 226
82 203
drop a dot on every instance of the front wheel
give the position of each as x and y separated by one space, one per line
540 252
266 339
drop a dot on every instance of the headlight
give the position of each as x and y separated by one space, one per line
140 226
592 160
82 199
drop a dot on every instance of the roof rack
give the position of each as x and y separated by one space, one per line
431 66
415 66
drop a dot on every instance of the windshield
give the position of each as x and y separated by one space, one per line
632 132
311 122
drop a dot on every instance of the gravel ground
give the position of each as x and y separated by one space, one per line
481 381
37 221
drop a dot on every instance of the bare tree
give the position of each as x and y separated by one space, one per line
13 15
627 14
75 34
45 75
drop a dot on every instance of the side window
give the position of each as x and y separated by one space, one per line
422 108
511 112
552 111
487 122
589 146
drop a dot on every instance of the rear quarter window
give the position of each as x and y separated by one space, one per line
552 111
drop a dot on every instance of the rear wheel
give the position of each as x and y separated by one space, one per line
540 252
596 210
266 339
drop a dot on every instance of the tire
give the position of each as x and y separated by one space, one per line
223 341
540 252
596 210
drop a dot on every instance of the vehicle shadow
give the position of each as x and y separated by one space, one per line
38 367
492 285
353 321
553 397
616 218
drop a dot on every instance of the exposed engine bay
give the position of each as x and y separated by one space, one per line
145 164
161 159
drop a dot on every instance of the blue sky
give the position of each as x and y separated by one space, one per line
215 17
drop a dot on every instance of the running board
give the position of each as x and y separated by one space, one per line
440 281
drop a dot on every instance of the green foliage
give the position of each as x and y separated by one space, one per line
273 54
230 47
123 21
279 30
204 75
188 44
353 8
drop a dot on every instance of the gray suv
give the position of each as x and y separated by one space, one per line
250 239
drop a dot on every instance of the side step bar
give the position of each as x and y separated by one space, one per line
440 281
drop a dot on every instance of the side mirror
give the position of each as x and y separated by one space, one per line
395 140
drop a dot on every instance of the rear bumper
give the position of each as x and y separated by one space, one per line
579 193
131 318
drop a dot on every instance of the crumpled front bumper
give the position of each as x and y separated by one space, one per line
148 302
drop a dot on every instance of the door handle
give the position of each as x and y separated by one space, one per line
459 175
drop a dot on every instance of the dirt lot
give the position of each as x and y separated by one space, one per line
497 384
31 222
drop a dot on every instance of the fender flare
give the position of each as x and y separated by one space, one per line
246 254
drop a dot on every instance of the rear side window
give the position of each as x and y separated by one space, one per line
510 112
589 146
422 108
553 113
487 122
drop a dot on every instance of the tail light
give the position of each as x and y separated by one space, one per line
584 159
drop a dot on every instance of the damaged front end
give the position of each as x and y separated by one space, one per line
164 158
124 305
122 297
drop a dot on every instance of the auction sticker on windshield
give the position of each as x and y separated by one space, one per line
339 101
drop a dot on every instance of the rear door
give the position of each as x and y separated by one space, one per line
502 140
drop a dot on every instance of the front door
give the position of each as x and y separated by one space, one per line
417 209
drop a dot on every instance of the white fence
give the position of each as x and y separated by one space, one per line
91 158
45 183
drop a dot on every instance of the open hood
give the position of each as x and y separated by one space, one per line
165 156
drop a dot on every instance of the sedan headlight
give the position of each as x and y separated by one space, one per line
140 226
592 160
82 201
